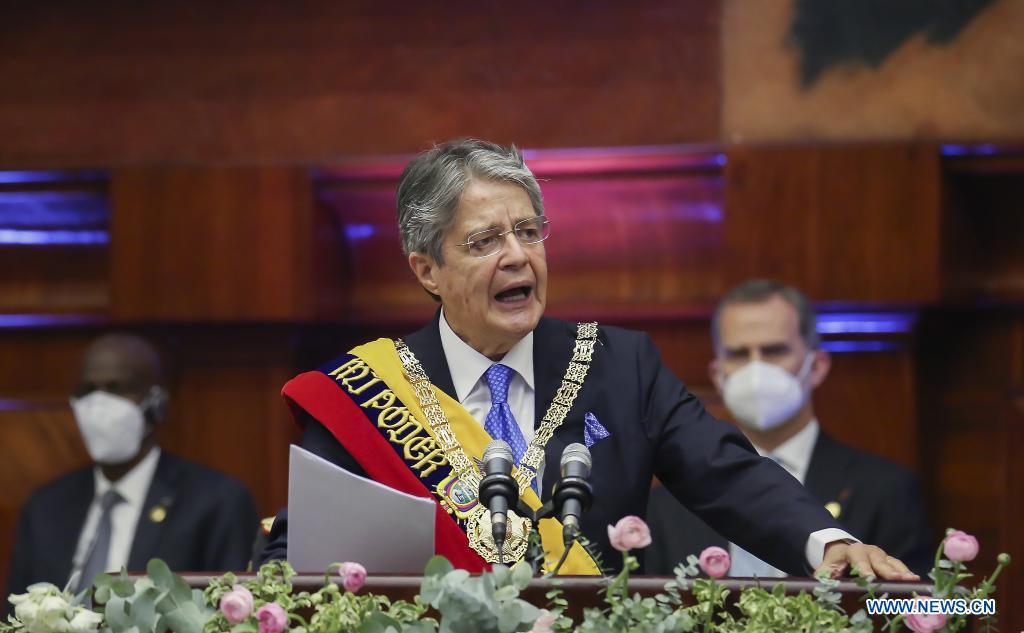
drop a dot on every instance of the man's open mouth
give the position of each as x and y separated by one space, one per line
518 293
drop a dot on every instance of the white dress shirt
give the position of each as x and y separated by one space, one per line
468 366
124 516
795 456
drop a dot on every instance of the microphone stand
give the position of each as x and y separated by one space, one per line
535 549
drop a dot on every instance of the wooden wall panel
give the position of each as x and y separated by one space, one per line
259 80
972 371
211 243
983 229
634 232
851 223
54 279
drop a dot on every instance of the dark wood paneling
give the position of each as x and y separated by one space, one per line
843 223
213 243
971 375
54 279
635 233
984 229
259 80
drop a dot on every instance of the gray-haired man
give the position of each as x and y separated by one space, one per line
473 228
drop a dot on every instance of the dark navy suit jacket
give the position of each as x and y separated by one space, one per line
880 503
657 428
209 526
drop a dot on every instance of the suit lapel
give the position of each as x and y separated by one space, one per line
826 473
71 515
161 495
552 349
426 345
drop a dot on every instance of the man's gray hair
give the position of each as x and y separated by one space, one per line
432 184
761 290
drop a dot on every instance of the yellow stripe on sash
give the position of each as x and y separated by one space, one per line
383 359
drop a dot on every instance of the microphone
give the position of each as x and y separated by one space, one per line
573 493
498 490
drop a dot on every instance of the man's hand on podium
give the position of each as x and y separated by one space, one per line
868 560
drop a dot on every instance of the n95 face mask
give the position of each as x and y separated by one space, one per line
762 396
112 426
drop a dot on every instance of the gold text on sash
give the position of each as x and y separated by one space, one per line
400 427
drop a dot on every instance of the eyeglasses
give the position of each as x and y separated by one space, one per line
491 241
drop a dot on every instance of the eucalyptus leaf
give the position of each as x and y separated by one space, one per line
502 575
522 574
438 566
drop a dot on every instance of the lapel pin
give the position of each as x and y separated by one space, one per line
157 514
834 509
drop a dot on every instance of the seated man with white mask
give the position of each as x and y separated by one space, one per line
135 502
768 361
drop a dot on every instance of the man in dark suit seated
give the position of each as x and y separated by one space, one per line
768 361
416 414
135 502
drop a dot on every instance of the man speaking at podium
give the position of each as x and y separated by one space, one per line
472 225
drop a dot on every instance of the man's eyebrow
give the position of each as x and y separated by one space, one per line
739 349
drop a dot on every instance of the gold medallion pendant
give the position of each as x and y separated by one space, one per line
481 538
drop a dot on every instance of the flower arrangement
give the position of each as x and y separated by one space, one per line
161 601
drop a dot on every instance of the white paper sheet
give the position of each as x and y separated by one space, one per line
335 516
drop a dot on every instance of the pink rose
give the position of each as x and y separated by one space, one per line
960 546
353 575
272 618
925 622
629 533
545 622
236 605
714 561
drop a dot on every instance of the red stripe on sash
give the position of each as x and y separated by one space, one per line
321 397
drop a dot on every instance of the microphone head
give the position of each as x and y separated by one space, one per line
576 452
498 449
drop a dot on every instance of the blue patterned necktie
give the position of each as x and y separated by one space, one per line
500 423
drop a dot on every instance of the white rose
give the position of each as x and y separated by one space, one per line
85 620
53 605
26 611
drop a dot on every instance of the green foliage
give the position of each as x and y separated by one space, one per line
159 602
488 603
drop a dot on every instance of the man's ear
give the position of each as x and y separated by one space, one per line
820 367
156 404
424 267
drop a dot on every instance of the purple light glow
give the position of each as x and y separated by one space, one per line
15 321
984 149
22 237
865 323
17 177
860 346
356 232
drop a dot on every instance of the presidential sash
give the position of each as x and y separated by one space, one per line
364 399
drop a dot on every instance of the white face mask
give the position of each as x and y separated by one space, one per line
111 426
762 395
